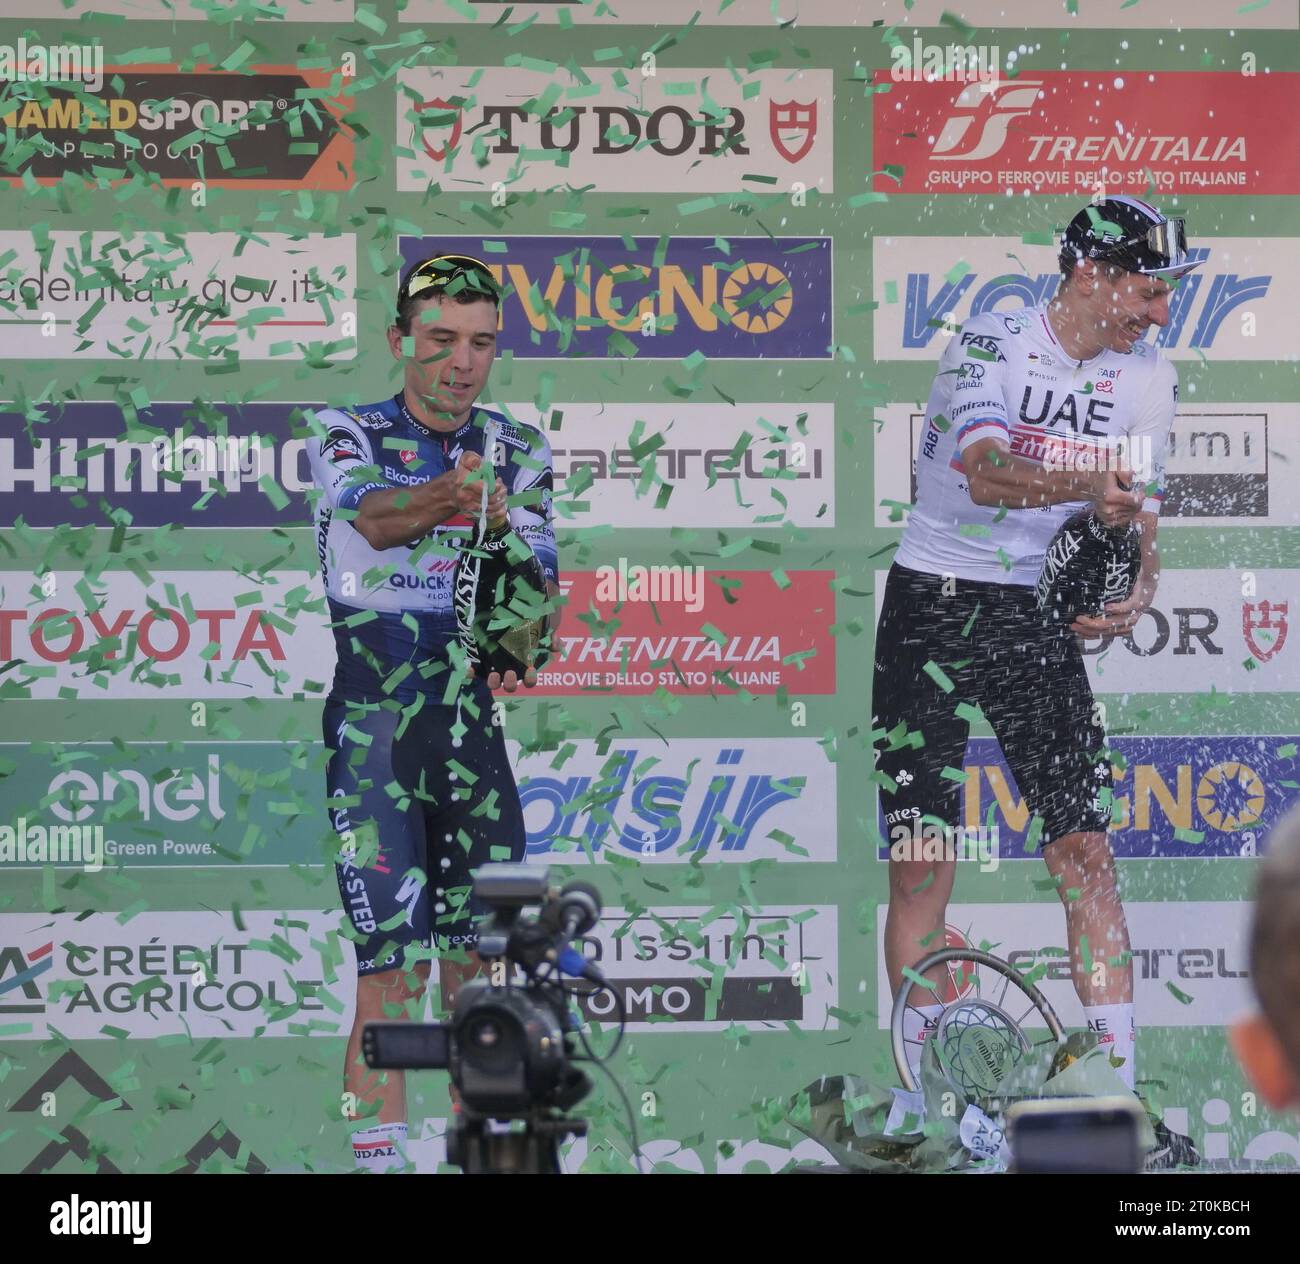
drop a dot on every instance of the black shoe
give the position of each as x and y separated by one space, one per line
1172 1150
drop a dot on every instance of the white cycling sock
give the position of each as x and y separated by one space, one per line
381 1148
1114 1024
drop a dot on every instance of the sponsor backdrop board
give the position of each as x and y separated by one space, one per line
1177 14
731 259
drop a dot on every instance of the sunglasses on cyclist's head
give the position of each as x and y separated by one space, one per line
451 273
1166 240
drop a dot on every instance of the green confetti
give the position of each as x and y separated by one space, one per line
939 676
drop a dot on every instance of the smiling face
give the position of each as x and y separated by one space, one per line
1124 305
448 358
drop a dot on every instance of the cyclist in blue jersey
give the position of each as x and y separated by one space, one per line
420 787
1034 415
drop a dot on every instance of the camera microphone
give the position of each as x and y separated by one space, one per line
578 909
574 964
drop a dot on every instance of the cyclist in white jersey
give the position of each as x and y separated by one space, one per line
1034 414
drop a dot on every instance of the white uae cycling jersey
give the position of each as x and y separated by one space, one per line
1005 375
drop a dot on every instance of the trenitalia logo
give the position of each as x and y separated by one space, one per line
1065 131
740 298
993 105
280 125
473 126
751 634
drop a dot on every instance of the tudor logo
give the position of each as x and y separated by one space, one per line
793 127
443 123
981 130
1264 616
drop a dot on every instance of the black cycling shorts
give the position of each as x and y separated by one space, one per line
418 808
991 644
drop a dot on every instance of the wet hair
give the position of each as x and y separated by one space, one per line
1069 259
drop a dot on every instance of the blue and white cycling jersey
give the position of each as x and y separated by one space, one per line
392 608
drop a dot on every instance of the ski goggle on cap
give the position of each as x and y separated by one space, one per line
453 275
1135 236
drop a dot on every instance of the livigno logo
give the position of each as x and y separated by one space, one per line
52 63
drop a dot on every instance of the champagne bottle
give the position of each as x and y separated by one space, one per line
498 591
1088 566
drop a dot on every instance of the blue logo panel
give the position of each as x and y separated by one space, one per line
739 298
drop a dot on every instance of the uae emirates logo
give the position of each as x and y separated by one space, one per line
443 124
1264 616
793 127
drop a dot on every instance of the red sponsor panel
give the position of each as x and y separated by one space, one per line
1060 131
678 631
